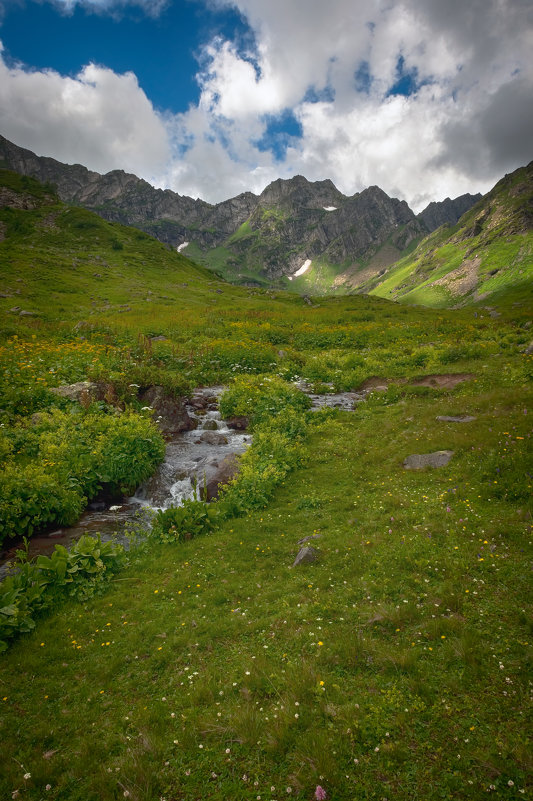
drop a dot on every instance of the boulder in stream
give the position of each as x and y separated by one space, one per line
170 413
213 438
225 471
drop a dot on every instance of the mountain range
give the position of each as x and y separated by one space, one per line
311 238
251 238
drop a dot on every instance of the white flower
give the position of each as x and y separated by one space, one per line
27 776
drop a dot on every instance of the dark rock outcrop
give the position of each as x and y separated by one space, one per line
170 413
446 212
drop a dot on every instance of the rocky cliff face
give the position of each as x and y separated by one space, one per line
447 212
272 235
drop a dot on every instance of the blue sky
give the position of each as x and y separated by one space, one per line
213 97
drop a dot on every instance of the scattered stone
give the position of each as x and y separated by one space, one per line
306 556
417 461
238 423
15 309
25 313
465 418
213 438
159 338
529 349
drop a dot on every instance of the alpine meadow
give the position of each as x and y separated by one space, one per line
340 606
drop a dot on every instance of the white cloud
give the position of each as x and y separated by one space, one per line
468 121
99 119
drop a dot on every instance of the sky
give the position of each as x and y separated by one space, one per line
425 98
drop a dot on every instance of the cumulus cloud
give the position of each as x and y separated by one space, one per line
465 118
424 98
98 118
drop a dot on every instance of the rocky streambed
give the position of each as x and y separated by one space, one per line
201 453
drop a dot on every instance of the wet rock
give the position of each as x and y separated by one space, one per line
306 556
170 413
417 461
210 425
238 423
225 471
464 418
213 438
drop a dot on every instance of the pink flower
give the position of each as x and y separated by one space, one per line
320 793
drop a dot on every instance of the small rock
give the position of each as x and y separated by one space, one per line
157 339
417 461
529 349
238 423
306 555
465 418
213 438
25 313
210 425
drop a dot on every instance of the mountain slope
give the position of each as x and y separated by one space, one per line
294 227
489 251
55 259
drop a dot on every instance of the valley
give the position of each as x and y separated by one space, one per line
203 662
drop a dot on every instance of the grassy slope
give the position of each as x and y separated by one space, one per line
395 666
496 231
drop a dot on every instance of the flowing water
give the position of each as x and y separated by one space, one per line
192 460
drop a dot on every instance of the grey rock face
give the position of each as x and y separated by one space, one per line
417 461
447 211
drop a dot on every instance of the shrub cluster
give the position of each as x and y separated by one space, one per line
67 459
78 572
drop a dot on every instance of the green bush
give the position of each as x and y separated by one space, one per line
178 523
79 572
261 397
73 456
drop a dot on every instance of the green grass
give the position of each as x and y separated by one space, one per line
396 666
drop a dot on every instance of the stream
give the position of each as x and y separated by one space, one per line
193 459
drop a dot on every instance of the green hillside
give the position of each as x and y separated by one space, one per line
201 664
488 254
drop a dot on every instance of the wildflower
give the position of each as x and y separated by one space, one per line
320 793
48 787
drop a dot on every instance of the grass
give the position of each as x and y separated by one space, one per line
396 666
